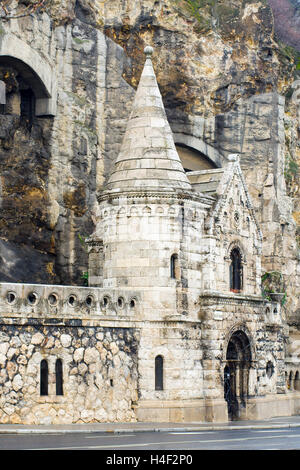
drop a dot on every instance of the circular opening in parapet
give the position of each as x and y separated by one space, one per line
275 310
105 301
11 297
72 300
89 300
52 299
269 369
32 298
120 302
132 303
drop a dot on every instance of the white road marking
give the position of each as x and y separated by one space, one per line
210 441
272 430
192 432
110 436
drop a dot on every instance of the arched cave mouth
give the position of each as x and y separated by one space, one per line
194 160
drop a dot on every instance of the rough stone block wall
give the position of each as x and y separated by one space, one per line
99 373
180 346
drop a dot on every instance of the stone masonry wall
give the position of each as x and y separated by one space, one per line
262 323
179 343
99 373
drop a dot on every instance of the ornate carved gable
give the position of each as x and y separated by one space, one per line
233 213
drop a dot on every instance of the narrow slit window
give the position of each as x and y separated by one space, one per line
159 372
174 266
59 377
44 378
236 271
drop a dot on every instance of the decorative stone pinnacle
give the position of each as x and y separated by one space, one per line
148 51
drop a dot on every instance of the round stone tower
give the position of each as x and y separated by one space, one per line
140 240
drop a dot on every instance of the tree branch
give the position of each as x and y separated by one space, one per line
28 10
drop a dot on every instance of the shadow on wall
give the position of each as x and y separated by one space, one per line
22 264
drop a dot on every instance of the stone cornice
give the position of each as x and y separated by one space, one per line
155 194
211 297
103 322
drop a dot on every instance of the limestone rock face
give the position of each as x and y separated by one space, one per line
223 77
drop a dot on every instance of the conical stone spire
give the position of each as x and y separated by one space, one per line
148 159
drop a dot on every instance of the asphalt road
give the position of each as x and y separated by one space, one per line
239 439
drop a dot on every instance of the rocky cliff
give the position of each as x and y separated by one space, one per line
226 77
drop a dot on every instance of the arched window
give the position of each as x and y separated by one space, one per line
290 381
296 381
174 266
269 369
44 377
236 271
159 370
59 377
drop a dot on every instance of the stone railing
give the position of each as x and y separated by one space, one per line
31 300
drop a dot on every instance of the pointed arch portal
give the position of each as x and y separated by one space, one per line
236 373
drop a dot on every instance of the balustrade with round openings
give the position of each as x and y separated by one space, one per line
72 300
53 300
32 298
11 297
105 302
120 302
89 300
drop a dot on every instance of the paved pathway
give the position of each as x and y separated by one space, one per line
287 422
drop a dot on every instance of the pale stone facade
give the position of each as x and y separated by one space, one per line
173 326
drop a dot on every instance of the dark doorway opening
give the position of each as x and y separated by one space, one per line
236 373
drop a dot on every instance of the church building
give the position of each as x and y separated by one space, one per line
173 326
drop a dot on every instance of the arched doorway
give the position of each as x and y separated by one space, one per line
236 373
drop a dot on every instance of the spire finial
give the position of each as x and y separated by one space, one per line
148 51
